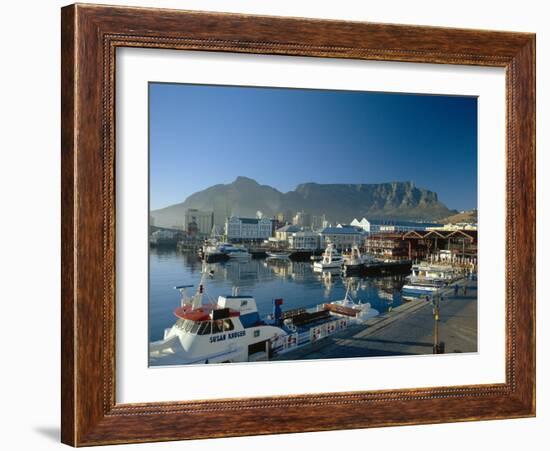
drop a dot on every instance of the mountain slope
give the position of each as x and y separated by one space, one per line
339 202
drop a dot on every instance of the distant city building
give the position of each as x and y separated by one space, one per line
204 220
151 220
302 219
283 233
192 229
342 237
284 217
318 222
237 229
304 240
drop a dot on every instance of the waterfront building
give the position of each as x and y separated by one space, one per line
391 226
245 229
342 236
419 244
204 220
305 240
456 226
283 233
392 245
364 224
161 237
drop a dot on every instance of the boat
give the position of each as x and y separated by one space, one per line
211 251
278 254
363 264
354 260
331 259
364 310
429 280
230 329
238 253
434 273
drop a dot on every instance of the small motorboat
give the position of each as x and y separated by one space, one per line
278 254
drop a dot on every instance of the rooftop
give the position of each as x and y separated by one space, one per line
344 230
289 228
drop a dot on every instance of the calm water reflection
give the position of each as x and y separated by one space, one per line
265 279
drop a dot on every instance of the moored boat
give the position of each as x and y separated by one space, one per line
278 254
331 259
230 329
429 280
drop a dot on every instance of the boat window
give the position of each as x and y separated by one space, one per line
188 325
228 325
217 326
204 328
195 328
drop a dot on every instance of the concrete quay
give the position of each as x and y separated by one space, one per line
406 330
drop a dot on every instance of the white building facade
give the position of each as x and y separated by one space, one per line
237 229
363 224
304 240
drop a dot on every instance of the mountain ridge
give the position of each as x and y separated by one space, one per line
339 202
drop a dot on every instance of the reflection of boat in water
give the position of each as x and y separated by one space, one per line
331 259
230 329
282 255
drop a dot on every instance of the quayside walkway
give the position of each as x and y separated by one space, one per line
406 330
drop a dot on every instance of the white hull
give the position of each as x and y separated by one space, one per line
331 265
281 256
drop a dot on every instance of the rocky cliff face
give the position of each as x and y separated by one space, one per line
338 202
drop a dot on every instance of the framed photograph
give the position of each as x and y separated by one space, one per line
278 225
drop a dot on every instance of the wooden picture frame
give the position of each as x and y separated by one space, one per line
90 36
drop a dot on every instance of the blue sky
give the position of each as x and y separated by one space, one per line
204 135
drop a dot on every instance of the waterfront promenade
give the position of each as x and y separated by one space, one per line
406 330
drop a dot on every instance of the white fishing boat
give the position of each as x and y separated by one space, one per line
230 329
355 260
331 259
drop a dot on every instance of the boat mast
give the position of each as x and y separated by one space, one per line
197 298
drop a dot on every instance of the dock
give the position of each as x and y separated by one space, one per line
406 330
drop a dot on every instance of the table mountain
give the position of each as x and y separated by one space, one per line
338 202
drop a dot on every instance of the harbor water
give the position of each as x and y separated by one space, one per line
265 279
